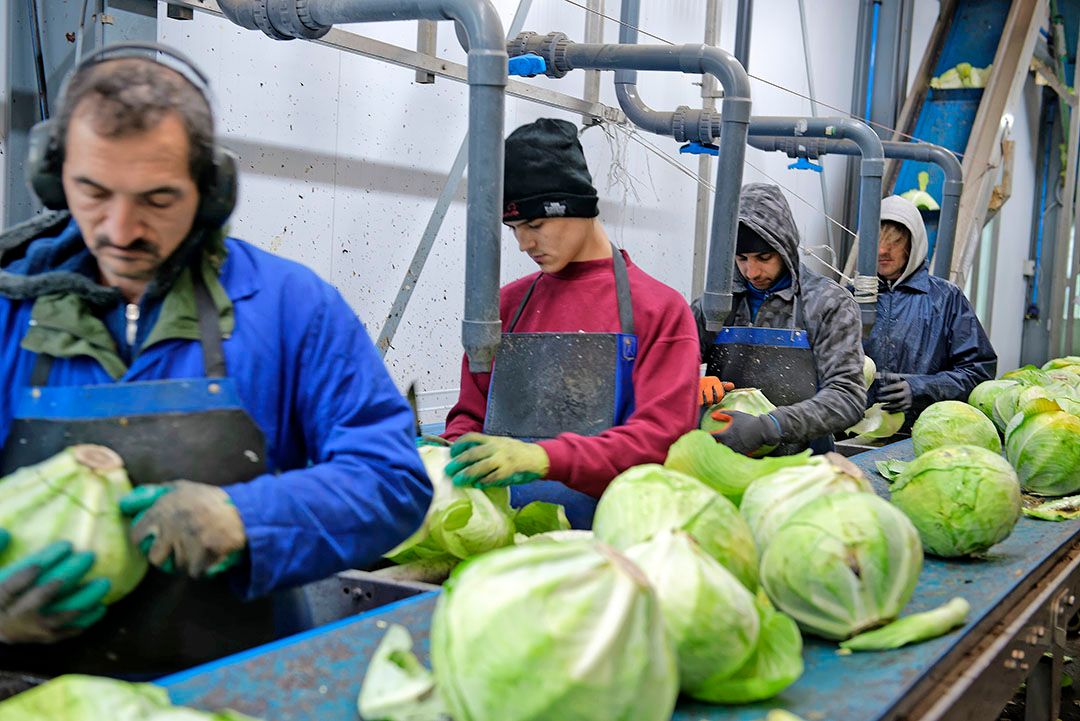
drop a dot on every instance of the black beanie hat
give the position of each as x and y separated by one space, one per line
749 241
545 173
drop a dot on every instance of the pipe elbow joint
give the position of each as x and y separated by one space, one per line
722 65
715 307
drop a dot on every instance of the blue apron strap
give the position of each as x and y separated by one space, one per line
209 330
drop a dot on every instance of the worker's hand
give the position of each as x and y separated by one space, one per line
428 440
41 600
894 392
747 434
480 460
712 390
185 526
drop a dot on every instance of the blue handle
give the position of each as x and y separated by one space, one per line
696 148
804 164
527 65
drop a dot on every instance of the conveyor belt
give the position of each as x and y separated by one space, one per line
317 675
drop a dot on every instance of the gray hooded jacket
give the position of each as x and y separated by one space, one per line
829 313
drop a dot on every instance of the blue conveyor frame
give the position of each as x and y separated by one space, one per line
1019 595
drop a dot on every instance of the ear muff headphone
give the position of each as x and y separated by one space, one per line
45 159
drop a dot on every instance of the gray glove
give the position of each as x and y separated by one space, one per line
894 392
41 600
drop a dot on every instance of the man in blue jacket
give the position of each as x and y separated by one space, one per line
267 442
927 342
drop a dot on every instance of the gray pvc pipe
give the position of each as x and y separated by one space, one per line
923 152
871 169
282 19
695 59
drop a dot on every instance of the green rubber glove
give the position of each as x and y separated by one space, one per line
41 598
135 505
427 440
191 527
480 460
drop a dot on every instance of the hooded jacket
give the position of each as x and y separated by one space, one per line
926 330
826 310
344 483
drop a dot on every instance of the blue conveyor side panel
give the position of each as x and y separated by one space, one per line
317 675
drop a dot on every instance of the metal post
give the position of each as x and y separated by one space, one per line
830 237
594 33
1065 228
701 208
427 35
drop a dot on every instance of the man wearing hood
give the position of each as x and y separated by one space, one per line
267 443
927 342
792 333
598 364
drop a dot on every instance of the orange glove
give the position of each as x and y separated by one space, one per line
712 390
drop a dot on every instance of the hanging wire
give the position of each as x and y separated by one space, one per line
778 86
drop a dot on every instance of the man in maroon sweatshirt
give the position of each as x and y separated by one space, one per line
599 362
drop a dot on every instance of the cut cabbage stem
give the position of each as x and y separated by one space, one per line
426 570
912 629
98 458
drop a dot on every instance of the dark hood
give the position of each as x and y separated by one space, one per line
764 208
47 254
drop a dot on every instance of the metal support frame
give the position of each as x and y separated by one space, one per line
427 33
1060 318
434 224
439 67
1005 649
594 33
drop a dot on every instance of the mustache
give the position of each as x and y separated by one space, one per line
139 245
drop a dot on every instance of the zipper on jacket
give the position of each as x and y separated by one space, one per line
131 314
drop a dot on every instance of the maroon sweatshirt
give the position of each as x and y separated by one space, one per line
581 297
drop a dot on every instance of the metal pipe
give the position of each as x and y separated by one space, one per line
743 22
922 152
871 168
287 19
872 66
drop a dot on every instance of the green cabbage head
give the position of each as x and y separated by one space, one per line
869 371
708 613
460 522
646 500
771 500
1069 360
1042 442
74 497
744 400
953 423
984 395
843 564
568 630
962 499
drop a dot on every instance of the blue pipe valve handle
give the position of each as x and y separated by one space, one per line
804 164
696 148
527 65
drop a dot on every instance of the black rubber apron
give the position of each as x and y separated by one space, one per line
544 384
778 361
194 429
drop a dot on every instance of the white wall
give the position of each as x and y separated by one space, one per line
1014 236
342 157
5 103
